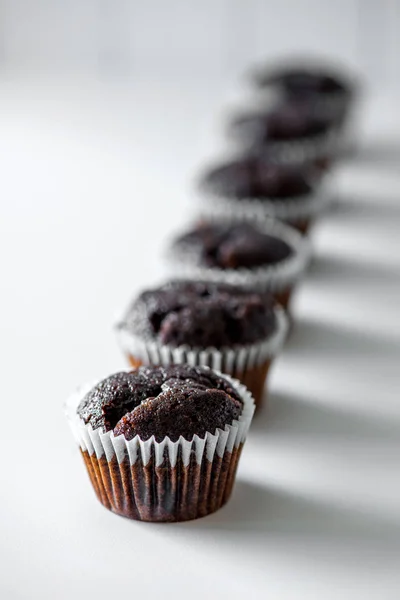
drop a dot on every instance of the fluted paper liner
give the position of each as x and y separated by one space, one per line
295 151
249 363
295 210
276 278
162 481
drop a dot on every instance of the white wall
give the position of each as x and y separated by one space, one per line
198 36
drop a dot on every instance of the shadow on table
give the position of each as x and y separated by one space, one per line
384 154
377 219
379 210
260 512
300 417
311 337
255 509
349 271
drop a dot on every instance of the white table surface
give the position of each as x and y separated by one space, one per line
94 177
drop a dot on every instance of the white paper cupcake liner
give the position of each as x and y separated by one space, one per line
95 441
292 152
162 481
277 277
291 210
233 360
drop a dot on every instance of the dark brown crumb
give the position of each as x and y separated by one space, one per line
186 410
118 394
201 314
161 401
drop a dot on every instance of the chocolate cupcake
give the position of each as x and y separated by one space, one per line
268 256
162 443
234 330
254 188
321 86
288 131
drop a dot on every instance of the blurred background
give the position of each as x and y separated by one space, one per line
209 38
108 109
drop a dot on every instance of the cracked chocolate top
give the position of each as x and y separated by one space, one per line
162 401
201 314
253 177
231 246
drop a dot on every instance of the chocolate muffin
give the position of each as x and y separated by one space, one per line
289 131
232 246
255 188
308 106
202 314
327 90
252 177
162 443
173 401
320 87
236 330
267 256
